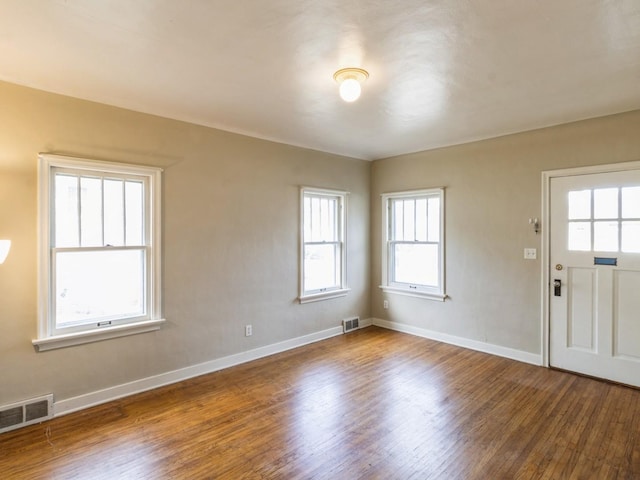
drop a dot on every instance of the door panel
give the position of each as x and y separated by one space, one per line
625 317
582 315
595 255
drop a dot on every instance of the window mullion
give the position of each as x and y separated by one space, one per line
79 208
124 211
415 218
592 222
426 218
391 220
339 228
415 242
323 225
620 219
102 208
98 249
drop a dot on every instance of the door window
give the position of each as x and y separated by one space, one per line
604 220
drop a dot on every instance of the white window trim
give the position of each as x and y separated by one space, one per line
343 289
429 293
47 341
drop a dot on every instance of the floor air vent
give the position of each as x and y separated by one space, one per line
350 324
26 413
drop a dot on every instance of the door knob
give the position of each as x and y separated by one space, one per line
557 288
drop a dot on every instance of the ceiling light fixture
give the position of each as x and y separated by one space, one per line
350 81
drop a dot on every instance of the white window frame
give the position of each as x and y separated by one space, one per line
48 337
341 290
421 291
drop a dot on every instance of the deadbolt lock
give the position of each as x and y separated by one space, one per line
557 288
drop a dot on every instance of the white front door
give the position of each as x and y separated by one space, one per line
594 297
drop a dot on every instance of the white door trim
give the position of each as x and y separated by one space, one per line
547 175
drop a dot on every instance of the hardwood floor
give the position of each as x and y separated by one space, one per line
373 404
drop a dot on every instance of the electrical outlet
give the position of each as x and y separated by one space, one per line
530 253
385 304
248 330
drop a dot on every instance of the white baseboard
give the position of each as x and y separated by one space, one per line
512 353
87 400
366 322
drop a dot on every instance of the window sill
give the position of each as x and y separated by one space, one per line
440 297
62 341
316 297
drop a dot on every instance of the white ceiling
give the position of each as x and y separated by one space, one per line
442 72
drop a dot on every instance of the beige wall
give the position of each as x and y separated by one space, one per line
231 208
492 188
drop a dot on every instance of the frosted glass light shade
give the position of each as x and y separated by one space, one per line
350 90
350 81
5 245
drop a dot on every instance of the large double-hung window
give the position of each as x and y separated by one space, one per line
413 239
99 250
322 269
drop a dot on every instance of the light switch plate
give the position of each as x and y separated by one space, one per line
530 253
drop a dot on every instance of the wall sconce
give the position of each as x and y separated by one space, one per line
5 245
536 224
350 81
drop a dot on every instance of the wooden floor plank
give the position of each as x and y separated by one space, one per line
373 404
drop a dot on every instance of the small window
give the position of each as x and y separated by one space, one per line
413 252
604 220
322 265
100 250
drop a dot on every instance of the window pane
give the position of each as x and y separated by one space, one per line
321 266
316 235
579 236
605 203
135 213
93 286
409 220
90 212
331 234
416 264
328 219
605 236
320 219
580 205
434 220
631 202
398 220
324 219
631 237
307 218
421 220
66 211
113 213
